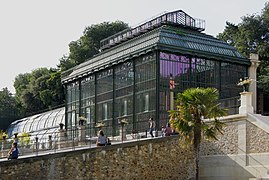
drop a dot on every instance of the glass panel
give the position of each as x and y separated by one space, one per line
42 121
50 119
104 94
187 71
230 75
27 128
88 99
145 90
146 102
205 73
125 107
124 80
174 67
105 111
34 125
59 119
72 103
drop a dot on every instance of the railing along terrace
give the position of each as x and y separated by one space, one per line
178 18
68 140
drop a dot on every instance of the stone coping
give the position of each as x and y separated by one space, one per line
230 118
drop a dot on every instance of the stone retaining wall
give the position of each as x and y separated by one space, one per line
158 158
242 152
227 142
257 139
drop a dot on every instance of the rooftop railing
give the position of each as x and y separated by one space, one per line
177 18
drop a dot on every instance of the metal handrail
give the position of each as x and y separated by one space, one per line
64 139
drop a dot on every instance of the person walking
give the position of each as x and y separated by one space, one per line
151 126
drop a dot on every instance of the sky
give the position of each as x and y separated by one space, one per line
36 34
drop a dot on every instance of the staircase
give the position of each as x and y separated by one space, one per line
260 121
263 123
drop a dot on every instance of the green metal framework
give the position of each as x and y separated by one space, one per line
130 79
113 94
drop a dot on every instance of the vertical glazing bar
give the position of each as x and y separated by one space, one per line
95 99
157 103
220 82
190 74
79 99
66 107
114 125
134 107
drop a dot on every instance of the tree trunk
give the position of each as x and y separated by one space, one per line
196 143
197 163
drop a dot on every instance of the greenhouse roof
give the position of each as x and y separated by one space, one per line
38 125
169 38
198 44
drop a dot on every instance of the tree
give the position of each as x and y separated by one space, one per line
41 89
193 106
88 44
252 36
53 94
8 108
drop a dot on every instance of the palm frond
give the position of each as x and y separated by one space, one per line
192 106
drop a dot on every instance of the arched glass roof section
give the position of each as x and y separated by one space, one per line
38 124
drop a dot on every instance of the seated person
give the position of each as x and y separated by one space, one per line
13 153
168 130
101 139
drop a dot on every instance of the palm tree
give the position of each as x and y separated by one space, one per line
193 106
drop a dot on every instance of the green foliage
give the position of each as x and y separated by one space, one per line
24 139
3 133
88 44
252 36
192 107
230 33
263 79
42 88
38 90
8 108
7 101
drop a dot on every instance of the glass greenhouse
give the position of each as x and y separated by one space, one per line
39 125
131 77
138 72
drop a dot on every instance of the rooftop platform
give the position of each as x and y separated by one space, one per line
176 18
